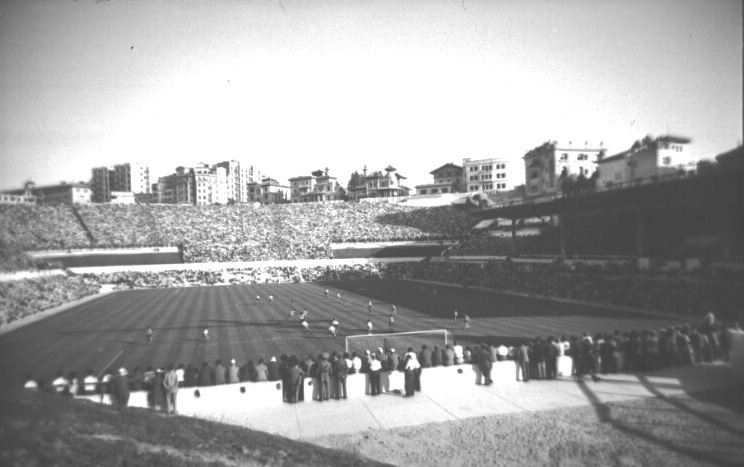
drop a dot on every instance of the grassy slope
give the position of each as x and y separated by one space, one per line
40 429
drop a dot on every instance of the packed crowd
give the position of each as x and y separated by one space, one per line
247 275
26 297
120 225
227 233
603 353
24 227
680 296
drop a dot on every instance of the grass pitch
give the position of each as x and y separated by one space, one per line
110 331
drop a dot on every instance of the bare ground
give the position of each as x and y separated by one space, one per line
699 429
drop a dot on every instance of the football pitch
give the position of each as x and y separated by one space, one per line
109 331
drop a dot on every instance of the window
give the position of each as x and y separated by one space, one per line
564 157
534 174
667 160
444 190
534 188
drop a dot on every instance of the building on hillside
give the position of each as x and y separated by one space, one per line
545 164
269 191
128 177
102 182
239 176
645 161
489 175
199 185
300 186
318 187
177 188
447 179
63 193
25 196
379 185
210 184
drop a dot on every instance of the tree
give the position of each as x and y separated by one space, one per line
707 166
354 181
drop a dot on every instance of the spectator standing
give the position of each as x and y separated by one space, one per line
233 373
170 384
273 369
340 370
219 373
425 357
60 382
324 377
459 357
157 393
205 375
485 364
90 383
522 359
121 388
375 367
436 356
262 371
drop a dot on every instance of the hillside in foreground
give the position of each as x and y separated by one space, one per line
39 429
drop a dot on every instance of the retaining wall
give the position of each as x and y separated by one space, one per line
212 400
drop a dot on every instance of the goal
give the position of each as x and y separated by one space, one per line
400 341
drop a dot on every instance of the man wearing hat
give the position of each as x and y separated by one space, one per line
340 370
232 373
324 377
121 388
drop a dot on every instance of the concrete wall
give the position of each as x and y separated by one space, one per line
213 400
737 354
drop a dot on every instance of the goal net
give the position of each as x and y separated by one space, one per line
400 341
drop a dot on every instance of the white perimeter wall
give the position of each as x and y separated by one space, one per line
215 400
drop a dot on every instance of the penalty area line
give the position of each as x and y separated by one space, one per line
110 363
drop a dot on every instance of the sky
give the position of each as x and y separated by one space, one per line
293 86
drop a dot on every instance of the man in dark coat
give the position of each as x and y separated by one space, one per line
205 375
436 356
219 373
121 388
425 357
273 368
485 364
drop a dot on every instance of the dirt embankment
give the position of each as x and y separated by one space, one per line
704 429
41 430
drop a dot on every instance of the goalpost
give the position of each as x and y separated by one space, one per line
400 341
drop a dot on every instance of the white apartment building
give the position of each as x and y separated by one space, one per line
645 160
544 164
489 175
239 176
210 185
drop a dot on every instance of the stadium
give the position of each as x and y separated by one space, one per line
144 287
